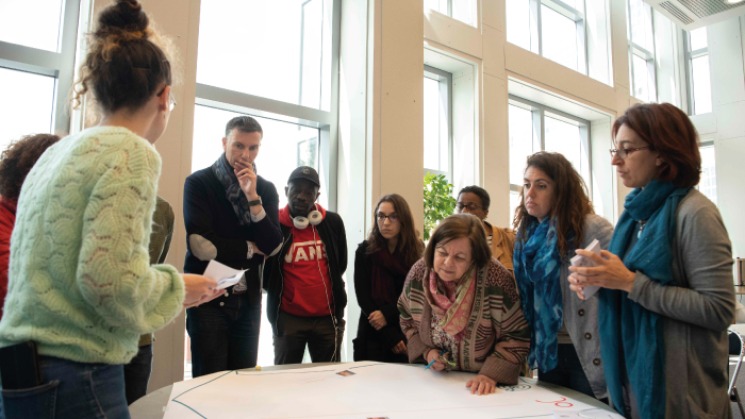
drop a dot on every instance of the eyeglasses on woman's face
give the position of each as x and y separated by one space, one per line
382 217
624 152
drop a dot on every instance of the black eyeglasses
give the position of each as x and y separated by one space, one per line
624 152
392 218
470 206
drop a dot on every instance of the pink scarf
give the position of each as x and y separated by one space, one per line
454 306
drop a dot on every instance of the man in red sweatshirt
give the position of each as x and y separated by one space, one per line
306 294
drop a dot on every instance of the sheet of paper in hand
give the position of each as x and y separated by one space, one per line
579 260
223 274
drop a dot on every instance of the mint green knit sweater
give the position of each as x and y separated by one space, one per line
81 285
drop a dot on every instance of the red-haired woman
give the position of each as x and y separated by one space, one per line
667 296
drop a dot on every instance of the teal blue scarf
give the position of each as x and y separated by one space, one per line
537 264
626 327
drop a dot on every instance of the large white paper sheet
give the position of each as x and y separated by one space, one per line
365 390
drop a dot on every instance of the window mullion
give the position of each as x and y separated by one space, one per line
66 71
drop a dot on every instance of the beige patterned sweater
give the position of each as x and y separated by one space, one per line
497 337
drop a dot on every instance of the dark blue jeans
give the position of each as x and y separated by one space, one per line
137 373
568 372
319 333
225 337
71 390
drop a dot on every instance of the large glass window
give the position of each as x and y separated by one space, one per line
284 146
32 23
31 107
463 10
273 60
38 40
697 71
279 49
574 33
642 51
437 121
534 127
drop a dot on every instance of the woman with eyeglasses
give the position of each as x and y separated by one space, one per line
555 217
667 296
380 266
82 290
460 309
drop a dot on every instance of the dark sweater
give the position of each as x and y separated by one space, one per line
363 267
208 213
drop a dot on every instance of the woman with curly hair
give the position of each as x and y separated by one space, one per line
380 267
81 287
555 217
17 161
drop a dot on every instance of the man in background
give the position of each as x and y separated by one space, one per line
475 200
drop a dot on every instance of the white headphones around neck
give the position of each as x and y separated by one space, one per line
314 218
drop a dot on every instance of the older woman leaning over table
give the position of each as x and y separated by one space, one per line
460 309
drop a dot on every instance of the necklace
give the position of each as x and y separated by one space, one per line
642 223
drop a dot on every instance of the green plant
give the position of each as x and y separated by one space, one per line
438 201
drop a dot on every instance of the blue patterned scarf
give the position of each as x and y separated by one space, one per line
538 272
233 192
626 327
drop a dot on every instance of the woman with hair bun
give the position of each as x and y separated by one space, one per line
81 288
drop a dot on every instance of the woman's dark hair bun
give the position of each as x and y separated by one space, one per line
124 16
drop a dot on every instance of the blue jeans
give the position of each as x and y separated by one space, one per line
71 390
319 333
225 337
137 373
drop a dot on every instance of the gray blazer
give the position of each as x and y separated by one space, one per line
581 317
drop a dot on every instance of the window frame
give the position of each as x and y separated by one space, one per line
649 57
59 65
573 14
579 17
445 81
472 11
690 55
538 113
326 121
